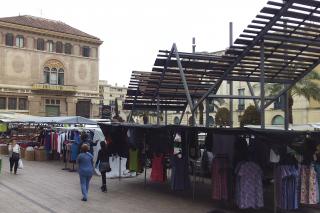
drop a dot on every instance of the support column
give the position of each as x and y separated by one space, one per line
158 110
256 104
207 112
165 117
184 81
262 92
182 114
286 111
231 82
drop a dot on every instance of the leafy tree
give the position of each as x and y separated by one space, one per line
250 116
307 87
223 117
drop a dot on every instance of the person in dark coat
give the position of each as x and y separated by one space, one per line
103 162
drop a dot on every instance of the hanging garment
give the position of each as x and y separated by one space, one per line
118 167
224 144
287 184
220 170
309 185
158 173
317 169
179 176
133 160
249 189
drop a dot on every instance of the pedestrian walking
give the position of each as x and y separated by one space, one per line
85 165
14 156
103 163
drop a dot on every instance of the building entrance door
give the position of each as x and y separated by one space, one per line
52 111
83 108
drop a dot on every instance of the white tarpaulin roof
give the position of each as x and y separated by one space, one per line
21 118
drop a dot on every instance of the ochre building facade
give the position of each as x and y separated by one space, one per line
48 68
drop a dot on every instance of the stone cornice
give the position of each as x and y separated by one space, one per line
50 33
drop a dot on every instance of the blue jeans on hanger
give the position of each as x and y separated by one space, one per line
84 182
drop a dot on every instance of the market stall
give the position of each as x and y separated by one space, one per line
48 138
242 163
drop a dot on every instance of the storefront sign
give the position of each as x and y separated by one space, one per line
54 87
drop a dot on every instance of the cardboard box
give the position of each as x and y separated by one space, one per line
29 155
4 149
40 155
22 152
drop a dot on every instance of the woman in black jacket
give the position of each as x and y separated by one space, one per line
103 162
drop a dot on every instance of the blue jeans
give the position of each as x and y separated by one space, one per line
84 182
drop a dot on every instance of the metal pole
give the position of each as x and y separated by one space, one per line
262 108
207 112
183 112
286 94
183 78
158 110
193 51
145 162
252 94
231 82
193 45
165 117
274 189
286 111
119 167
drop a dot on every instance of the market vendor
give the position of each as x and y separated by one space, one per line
85 139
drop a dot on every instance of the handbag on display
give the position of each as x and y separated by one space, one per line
104 167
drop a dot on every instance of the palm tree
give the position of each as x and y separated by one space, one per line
307 87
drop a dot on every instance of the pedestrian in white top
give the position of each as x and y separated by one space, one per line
15 156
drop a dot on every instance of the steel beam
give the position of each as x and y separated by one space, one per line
182 114
262 92
158 110
286 111
231 82
256 103
165 117
183 78
207 112
215 87
164 70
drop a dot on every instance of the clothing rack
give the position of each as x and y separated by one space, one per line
277 135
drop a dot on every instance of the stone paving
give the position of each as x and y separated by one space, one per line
44 187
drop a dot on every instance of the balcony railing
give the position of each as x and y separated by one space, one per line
51 87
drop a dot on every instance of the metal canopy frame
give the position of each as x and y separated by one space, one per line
280 46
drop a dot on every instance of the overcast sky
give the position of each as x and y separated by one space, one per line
134 30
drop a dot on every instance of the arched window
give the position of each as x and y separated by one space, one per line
59 47
40 44
53 72
9 39
19 41
176 120
67 48
278 120
61 76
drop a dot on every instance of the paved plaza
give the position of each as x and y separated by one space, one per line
44 187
